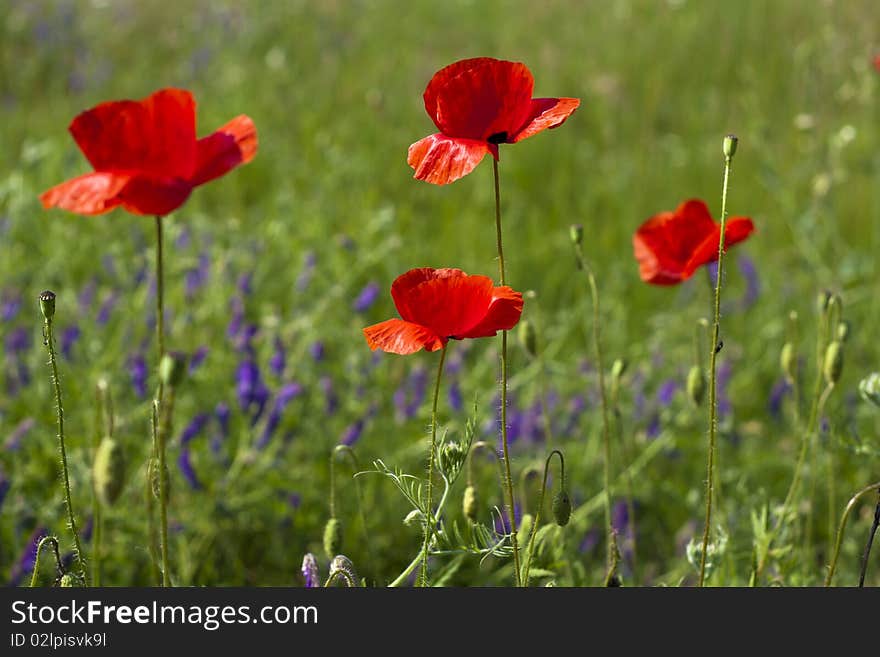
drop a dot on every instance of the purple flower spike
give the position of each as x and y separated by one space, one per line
194 428
753 284
279 358
28 558
221 412
10 304
317 351
197 358
106 308
777 395
5 485
667 392
244 284
455 399
331 401
137 369
310 571
366 298
17 341
69 337
353 433
307 271
186 468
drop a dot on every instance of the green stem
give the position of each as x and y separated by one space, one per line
870 542
160 298
530 551
508 480
164 429
349 451
54 542
606 423
429 517
713 358
849 507
56 383
400 579
151 507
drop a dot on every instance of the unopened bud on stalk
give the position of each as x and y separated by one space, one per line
788 361
833 365
528 337
525 528
69 580
561 508
729 146
843 330
470 503
172 368
108 471
823 301
696 385
332 537
47 304
342 568
618 368
576 233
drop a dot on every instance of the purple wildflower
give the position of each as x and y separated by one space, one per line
282 399
195 278
666 392
198 358
331 401
252 392
352 433
590 540
245 338
28 558
87 296
184 462
13 442
753 285
316 349
17 340
244 284
183 239
10 304
106 308
69 336
777 395
194 428
279 357
235 323
5 485
455 399
502 523
221 412
310 571
367 297
137 369
308 269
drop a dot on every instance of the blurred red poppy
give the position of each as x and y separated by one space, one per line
438 305
146 156
478 104
671 246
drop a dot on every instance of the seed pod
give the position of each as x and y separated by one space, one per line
833 365
788 361
108 471
342 568
843 330
525 528
528 337
561 508
69 580
470 503
728 147
332 537
172 369
696 385
154 479
618 368
47 303
823 300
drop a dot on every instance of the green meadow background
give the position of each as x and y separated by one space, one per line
335 89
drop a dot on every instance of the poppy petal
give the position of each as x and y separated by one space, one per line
233 144
154 195
397 336
547 113
480 98
736 229
440 160
450 305
156 134
403 286
503 314
93 193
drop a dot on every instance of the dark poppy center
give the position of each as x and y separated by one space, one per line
498 138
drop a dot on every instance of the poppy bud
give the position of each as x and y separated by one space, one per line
69 580
618 368
576 233
869 387
172 369
332 537
412 517
842 330
108 471
342 568
833 365
452 456
47 304
154 479
823 301
470 503
561 508
528 337
729 146
525 528
696 385
788 361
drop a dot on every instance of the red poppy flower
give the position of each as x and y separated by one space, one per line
146 155
478 104
672 245
438 305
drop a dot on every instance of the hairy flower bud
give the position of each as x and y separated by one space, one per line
172 369
108 471
696 385
451 457
833 366
47 304
728 147
470 503
528 337
788 361
341 568
332 537
561 508
69 580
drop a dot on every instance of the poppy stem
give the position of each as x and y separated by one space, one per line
870 542
429 509
729 149
508 480
151 494
47 305
160 297
46 540
540 508
849 507
606 423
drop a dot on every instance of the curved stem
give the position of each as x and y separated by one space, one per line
400 579
525 578
54 542
849 507
56 384
606 431
429 516
713 392
508 480
870 542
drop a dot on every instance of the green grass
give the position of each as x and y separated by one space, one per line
335 91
